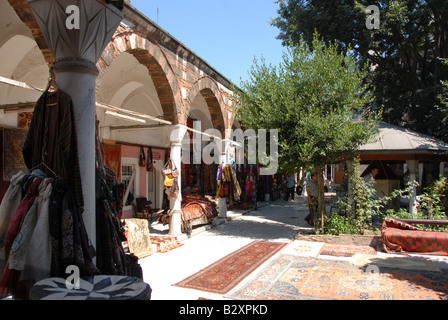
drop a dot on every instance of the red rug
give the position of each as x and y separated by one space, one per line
345 250
165 243
226 273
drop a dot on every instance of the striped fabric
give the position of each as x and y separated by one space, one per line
52 140
400 237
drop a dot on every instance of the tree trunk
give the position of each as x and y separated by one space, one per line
321 196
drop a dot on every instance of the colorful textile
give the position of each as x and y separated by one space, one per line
342 250
10 278
13 141
142 158
38 259
11 200
401 237
24 120
193 210
226 273
195 206
301 278
304 248
165 243
70 244
112 157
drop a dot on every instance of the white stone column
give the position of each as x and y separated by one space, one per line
412 167
77 80
176 137
77 31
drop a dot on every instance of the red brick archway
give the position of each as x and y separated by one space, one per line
210 92
25 14
176 88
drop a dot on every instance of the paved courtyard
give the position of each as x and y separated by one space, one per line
277 221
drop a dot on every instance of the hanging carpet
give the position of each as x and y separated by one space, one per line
165 243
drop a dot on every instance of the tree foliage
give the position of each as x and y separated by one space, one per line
315 99
405 53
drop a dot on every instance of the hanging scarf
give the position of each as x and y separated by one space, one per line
149 164
141 159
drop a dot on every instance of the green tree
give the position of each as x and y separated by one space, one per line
404 52
315 99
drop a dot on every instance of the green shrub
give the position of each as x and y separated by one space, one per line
361 205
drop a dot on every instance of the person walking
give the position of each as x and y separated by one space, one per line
290 186
311 190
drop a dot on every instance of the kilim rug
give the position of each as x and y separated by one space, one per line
165 243
13 162
344 250
299 278
226 273
304 248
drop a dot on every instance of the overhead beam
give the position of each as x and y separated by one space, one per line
20 84
18 107
138 127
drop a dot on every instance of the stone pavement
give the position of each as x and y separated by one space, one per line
278 221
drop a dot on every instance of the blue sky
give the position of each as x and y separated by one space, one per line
228 34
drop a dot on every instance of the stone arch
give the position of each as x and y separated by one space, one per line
22 60
151 56
16 48
25 14
215 102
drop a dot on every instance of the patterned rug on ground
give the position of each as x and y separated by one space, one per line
344 250
226 273
300 278
165 243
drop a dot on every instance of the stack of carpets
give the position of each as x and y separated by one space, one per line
289 277
345 250
197 210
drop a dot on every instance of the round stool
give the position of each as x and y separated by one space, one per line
99 287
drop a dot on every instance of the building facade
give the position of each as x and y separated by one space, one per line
143 73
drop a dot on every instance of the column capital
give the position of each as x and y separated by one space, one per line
96 22
75 65
177 134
